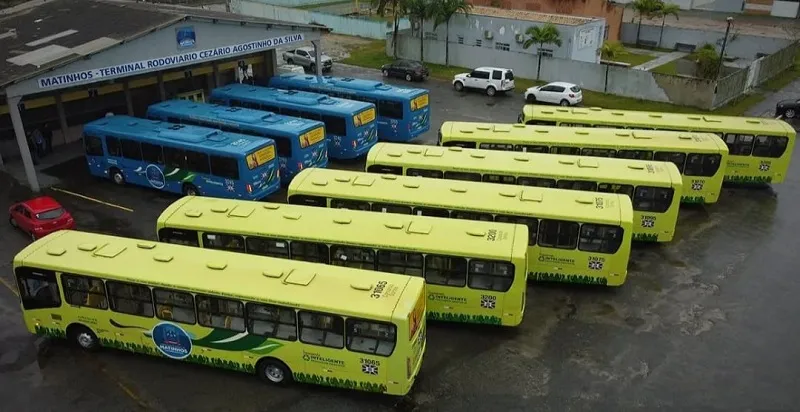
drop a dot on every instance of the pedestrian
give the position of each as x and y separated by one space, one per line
48 138
38 141
32 149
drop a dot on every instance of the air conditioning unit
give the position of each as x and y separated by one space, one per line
519 38
488 35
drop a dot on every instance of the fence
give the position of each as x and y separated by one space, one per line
339 24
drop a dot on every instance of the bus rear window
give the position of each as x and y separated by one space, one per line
260 157
419 102
312 137
652 199
364 117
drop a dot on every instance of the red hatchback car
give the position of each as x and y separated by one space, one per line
39 217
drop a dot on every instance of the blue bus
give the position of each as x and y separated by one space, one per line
183 159
403 113
349 125
300 142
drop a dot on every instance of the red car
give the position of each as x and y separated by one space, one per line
39 217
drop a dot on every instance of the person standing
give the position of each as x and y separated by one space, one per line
38 141
48 138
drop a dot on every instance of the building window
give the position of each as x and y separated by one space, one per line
605 32
460 39
501 46
478 42
429 35
546 52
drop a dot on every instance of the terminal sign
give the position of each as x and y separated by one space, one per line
125 69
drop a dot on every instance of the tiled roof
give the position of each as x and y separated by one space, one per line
558 19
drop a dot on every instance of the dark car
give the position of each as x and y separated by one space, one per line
405 69
788 109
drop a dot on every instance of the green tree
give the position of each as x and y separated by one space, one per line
541 35
644 8
418 11
664 10
611 50
707 59
396 14
443 12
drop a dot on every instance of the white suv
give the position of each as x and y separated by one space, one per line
489 79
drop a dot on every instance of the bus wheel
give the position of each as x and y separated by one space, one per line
190 190
83 337
116 176
273 371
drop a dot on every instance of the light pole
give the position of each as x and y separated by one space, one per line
724 43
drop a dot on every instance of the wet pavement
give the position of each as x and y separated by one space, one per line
703 323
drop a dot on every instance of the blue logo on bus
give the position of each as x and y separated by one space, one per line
185 37
172 341
155 176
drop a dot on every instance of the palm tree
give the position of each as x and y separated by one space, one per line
644 8
666 9
419 11
541 35
610 50
396 13
443 12
707 59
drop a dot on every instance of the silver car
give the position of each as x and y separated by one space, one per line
304 56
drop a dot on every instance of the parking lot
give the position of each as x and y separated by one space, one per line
703 323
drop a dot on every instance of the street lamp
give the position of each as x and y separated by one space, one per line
724 43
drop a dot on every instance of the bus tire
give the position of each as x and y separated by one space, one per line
83 337
190 190
273 371
531 98
116 176
458 86
491 91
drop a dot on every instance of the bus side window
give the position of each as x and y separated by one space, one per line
492 178
271 109
131 149
483 217
770 146
558 234
739 144
374 338
458 143
497 146
652 199
445 270
263 246
635 154
130 299
178 236
308 200
197 162
310 252
532 148
321 329
385 169
84 291
174 306
598 152
93 145
390 208
468 176
435 174
334 125
224 167
350 204
174 157
541 122
309 115
291 112
272 321
431 211
615 188
353 257
702 164
490 275
679 159
390 109
219 313
222 241
404 263
600 238
175 120
564 150
577 185
38 288
536 181
152 153
531 222
113 147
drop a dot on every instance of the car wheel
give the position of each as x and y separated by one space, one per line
408 77
83 337
531 98
564 102
290 61
458 86
790 113
274 371
190 190
117 176
491 91
12 222
385 73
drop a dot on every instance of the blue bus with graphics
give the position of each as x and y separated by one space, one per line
300 142
177 158
403 113
349 125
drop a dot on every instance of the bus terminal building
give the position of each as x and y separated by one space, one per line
68 62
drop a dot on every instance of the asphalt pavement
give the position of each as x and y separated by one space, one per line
703 323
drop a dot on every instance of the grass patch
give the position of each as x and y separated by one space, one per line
634 59
670 68
643 47
373 55
318 5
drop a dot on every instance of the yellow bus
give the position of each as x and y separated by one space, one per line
759 149
475 271
698 156
654 187
282 320
573 237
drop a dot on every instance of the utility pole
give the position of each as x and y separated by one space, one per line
724 43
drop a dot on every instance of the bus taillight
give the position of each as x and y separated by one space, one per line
249 188
299 165
355 143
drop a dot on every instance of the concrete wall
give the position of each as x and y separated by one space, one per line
775 63
295 3
340 24
578 42
728 6
742 46
784 9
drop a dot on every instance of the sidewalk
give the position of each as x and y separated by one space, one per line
60 154
660 60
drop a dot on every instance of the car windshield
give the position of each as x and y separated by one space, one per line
50 214
575 89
